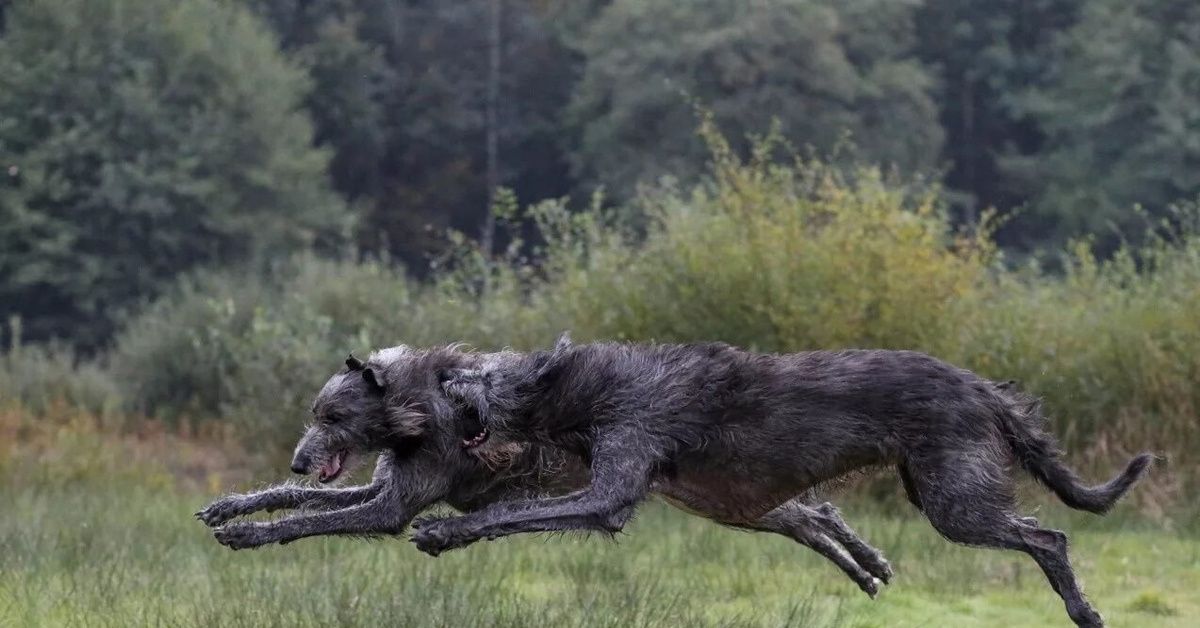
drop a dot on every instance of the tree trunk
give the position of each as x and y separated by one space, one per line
488 236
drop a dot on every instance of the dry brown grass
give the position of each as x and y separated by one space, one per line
67 445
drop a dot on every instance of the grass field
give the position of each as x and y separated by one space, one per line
128 553
96 530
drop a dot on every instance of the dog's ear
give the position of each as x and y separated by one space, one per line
555 357
374 379
353 363
564 341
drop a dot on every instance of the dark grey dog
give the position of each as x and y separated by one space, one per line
393 405
733 435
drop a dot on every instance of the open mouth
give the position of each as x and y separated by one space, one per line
332 469
475 433
476 440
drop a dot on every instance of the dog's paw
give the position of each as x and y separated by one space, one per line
435 536
238 536
223 510
881 569
431 538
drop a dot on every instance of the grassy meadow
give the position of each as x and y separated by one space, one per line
97 531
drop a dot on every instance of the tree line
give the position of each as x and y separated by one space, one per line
140 139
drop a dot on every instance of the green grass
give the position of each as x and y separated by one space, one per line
129 555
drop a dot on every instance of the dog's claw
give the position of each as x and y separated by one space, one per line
887 574
223 510
881 570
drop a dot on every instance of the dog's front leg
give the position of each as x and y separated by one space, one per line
620 480
386 514
591 511
288 496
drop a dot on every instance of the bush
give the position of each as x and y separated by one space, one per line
36 377
1114 346
784 257
171 358
766 255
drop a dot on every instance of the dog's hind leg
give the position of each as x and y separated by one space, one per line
968 498
807 526
831 521
799 518
910 488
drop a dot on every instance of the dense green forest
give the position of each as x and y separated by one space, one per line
143 139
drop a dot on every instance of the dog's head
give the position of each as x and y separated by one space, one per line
491 396
443 400
392 400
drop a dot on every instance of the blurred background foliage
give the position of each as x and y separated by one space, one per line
204 204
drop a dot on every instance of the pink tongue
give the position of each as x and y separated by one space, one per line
334 466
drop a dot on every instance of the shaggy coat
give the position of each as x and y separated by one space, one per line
393 406
733 435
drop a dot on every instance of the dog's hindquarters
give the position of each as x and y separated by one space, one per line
962 486
968 497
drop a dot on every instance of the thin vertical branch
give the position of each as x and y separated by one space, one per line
488 236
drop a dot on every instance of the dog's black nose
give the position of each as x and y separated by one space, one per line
300 466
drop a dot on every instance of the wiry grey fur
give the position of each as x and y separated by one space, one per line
733 435
393 405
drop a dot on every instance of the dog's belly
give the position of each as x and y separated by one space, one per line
726 500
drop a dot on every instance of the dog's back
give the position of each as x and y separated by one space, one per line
864 403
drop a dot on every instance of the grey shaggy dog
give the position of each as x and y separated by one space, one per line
732 435
393 405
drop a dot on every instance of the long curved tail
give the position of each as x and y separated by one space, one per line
1039 454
